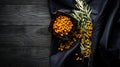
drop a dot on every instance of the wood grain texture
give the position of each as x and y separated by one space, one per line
24 15
23 2
24 37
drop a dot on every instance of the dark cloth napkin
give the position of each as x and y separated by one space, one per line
105 38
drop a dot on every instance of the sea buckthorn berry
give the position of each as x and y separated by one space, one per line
80 59
76 54
62 25
67 47
77 58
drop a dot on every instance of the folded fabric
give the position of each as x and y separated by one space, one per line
105 38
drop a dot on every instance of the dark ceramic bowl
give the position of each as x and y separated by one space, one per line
74 28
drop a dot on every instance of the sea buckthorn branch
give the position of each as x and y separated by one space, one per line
82 14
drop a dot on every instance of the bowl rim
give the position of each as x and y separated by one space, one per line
58 13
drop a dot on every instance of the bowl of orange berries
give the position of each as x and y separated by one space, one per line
63 25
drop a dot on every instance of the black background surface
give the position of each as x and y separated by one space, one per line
24 38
